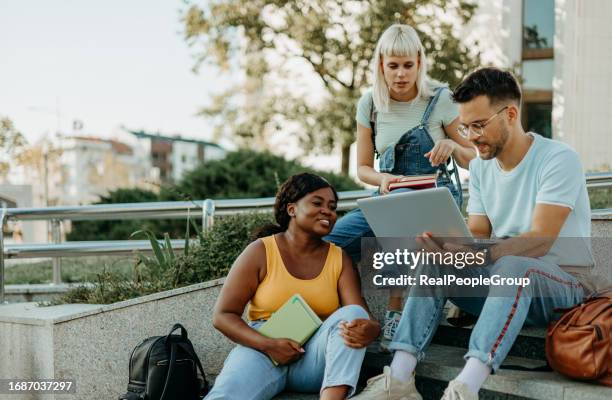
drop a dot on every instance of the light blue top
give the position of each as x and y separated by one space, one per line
550 173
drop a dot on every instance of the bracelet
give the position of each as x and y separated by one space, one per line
488 260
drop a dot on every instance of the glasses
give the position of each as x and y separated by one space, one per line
476 129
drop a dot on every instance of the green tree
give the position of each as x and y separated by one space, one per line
12 143
322 50
243 174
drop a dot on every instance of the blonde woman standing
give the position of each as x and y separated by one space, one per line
411 122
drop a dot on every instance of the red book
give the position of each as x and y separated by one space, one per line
415 182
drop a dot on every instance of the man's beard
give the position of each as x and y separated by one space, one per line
496 148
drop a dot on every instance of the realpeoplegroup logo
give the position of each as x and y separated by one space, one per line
449 280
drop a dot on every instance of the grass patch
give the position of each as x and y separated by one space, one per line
82 269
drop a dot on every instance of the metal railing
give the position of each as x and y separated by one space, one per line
204 209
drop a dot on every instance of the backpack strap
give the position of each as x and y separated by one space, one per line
191 351
445 168
373 116
175 327
170 369
188 348
431 105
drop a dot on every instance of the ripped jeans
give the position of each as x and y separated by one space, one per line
501 313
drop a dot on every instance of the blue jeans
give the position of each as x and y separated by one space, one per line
501 315
327 361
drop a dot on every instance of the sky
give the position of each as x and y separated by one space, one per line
107 63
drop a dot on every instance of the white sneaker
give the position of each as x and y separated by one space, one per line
457 390
392 319
386 387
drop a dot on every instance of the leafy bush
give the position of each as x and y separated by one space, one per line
245 174
209 257
241 174
214 255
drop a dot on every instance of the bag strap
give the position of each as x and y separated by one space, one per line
175 327
190 350
569 315
170 369
431 105
373 116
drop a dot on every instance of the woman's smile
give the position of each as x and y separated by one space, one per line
325 222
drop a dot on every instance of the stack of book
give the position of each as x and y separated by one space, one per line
415 182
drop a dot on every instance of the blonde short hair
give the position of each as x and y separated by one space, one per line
398 41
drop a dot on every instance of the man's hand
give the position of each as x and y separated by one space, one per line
429 243
359 333
435 245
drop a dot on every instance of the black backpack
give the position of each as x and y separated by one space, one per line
166 368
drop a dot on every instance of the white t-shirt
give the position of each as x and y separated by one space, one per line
404 115
550 173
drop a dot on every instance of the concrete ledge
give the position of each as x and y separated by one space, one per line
92 343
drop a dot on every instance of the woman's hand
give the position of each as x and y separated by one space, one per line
383 188
359 333
283 351
441 152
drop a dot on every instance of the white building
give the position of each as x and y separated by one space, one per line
173 156
563 50
92 167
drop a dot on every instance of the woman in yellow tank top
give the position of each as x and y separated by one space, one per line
291 257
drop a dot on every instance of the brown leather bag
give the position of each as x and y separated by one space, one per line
579 344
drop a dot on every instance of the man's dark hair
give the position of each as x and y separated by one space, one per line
499 86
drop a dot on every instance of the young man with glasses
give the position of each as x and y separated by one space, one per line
524 187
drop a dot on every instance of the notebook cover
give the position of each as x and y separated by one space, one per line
294 320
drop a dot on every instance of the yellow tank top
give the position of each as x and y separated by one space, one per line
321 293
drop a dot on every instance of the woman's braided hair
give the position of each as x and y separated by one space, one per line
293 189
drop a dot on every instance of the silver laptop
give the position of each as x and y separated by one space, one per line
409 214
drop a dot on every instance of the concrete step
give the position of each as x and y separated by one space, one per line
529 343
443 363
296 396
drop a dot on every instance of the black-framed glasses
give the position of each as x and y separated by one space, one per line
477 129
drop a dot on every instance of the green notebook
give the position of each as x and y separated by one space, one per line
295 320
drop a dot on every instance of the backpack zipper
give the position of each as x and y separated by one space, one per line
165 362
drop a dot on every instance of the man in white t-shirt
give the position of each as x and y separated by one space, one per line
524 187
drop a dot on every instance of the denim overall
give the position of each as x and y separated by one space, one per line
407 157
